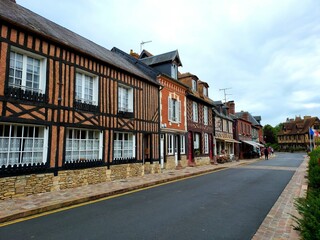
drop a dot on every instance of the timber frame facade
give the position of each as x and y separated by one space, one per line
67 103
199 120
295 134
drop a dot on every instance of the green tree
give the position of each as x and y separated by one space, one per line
269 134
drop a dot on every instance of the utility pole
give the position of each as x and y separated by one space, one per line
142 43
225 94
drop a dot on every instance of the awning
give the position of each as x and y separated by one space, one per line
232 140
259 144
252 143
228 140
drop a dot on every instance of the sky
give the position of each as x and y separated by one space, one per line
265 53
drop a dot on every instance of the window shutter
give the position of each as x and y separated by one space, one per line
170 108
178 111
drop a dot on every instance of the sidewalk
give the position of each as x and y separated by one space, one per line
277 224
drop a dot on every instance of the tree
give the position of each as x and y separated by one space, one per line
269 134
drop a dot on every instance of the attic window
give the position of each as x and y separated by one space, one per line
174 71
205 91
194 85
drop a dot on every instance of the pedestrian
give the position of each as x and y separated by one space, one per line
266 153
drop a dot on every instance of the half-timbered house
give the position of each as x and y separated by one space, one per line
199 120
70 109
173 125
224 141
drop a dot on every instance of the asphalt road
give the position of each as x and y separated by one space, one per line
229 204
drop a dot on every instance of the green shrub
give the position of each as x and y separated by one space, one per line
309 207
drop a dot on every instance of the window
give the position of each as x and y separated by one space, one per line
182 144
86 88
196 141
123 145
230 127
194 85
205 115
206 143
83 145
224 125
170 144
125 99
195 111
27 71
205 91
174 110
23 144
174 71
218 124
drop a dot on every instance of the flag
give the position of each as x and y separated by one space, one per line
311 132
316 133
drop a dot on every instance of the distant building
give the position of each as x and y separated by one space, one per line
295 133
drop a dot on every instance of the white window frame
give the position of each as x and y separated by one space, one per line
205 115
125 98
14 69
196 141
174 71
124 145
23 144
182 144
225 125
194 85
170 144
174 110
205 91
230 127
195 112
206 143
81 87
83 144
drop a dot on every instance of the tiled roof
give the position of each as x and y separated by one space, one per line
162 58
299 126
22 17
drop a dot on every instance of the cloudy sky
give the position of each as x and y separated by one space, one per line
266 52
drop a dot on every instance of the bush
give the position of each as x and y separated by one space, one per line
309 207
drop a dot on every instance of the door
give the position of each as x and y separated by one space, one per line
162 150
176 149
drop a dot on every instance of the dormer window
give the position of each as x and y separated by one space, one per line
205 91
174 71
194 85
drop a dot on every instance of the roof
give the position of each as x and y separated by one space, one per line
299 126
187 74
22 17
153 73
162 58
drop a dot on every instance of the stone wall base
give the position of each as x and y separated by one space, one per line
19 186
201 161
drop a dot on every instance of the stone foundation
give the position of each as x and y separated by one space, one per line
19 186
170 163
201 161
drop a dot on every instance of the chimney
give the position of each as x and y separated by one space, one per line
231 107
245 116
133 54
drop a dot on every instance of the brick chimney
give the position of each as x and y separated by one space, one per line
231 107
245 115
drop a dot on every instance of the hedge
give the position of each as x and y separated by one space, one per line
309 207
